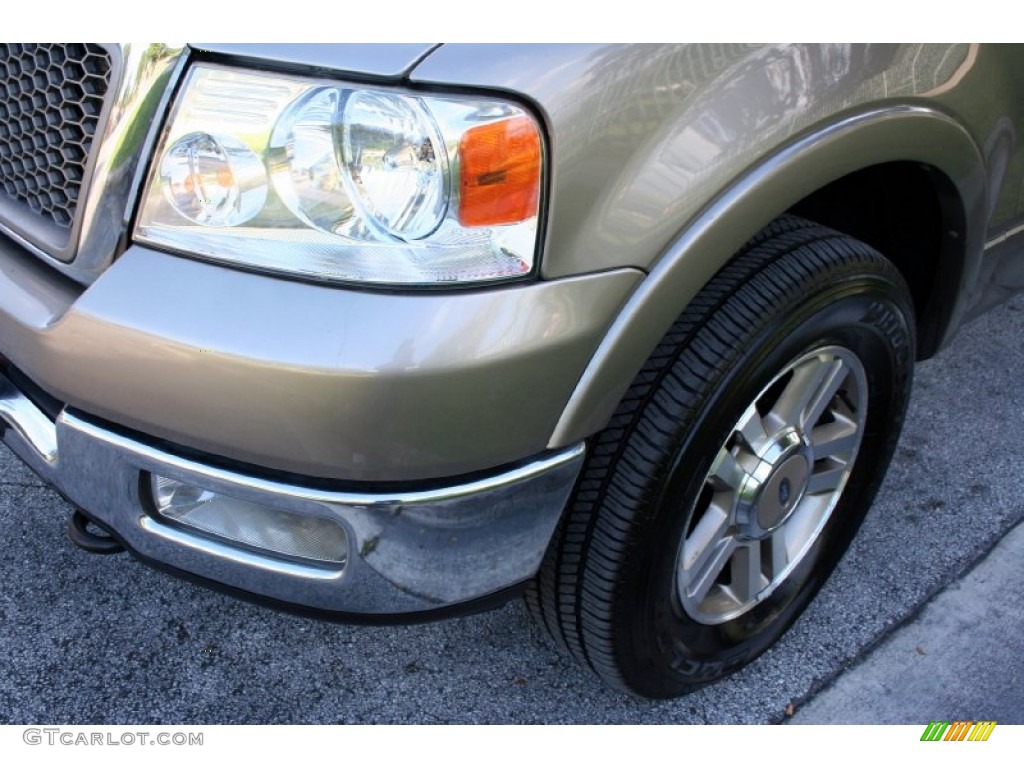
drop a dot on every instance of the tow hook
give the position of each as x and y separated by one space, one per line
90 536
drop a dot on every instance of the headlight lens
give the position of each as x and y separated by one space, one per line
346 183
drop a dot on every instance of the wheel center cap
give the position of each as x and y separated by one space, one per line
774 486
782 491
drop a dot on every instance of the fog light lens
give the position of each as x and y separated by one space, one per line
275 530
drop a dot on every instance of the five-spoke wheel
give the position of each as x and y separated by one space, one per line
773 485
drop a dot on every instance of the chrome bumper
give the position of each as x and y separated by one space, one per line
408 552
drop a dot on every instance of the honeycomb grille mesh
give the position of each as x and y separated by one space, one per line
51 97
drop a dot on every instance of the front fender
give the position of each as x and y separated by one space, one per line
887 134
668 158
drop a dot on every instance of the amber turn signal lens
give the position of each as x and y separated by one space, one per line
500 173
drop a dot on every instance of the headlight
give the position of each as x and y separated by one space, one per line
347 183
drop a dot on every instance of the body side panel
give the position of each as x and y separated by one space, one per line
644 137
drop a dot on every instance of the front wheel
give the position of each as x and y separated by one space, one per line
737 468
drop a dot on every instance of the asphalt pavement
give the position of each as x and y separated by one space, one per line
90 639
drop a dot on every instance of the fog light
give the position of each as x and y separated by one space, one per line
256 525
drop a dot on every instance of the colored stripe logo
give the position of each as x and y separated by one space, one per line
958 730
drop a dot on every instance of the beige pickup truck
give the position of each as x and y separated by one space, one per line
393 332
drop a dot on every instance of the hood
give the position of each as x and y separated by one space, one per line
383 60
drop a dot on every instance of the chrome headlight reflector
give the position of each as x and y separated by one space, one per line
397 162
213 181
345 183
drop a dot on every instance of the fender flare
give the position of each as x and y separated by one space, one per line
902 132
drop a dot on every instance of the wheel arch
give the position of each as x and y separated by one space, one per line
912 213
920 144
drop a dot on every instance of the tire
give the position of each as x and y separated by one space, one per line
737 468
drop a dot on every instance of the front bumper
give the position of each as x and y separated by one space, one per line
409 552
191 371
320 381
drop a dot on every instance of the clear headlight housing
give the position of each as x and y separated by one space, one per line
345 183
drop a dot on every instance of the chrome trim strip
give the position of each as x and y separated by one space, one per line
1002 237
149 75
29 246
367 500
21 414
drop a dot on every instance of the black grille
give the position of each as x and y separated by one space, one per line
51 97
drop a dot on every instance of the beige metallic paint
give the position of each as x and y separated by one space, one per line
317 380
668 158
664 159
